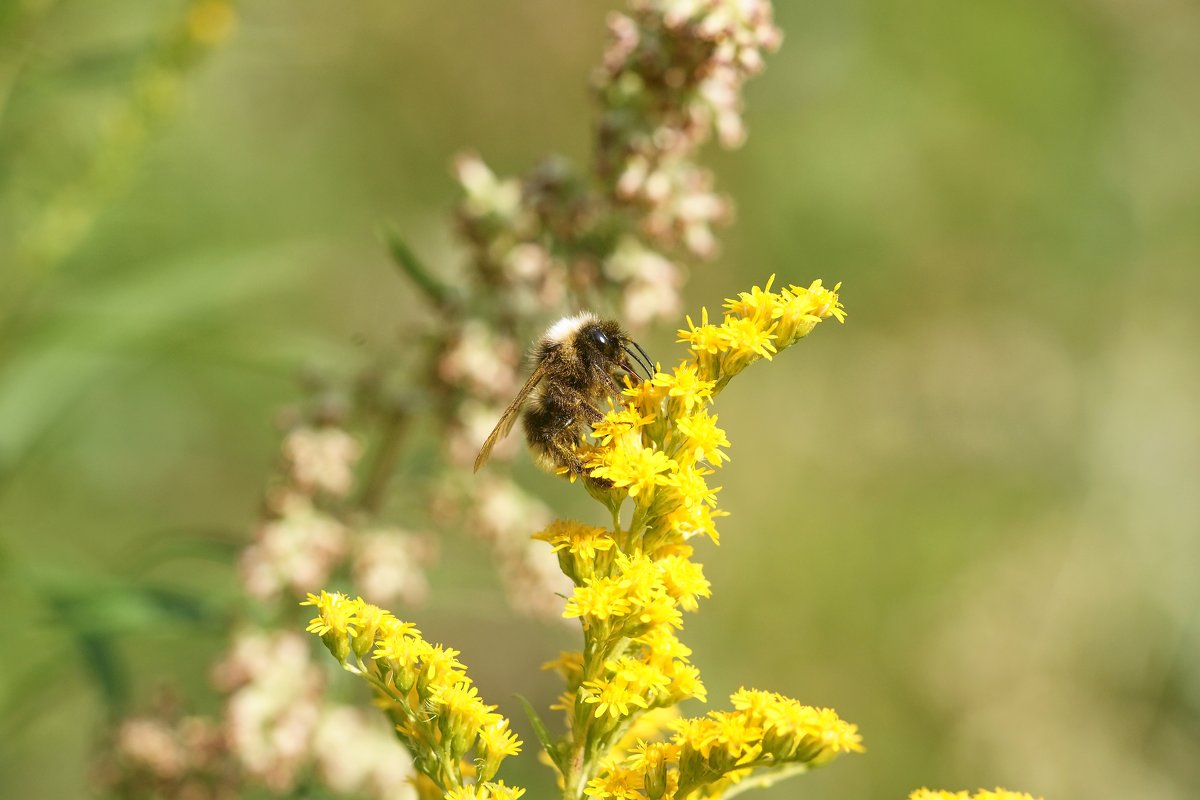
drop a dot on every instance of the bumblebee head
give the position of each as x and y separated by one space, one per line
606 339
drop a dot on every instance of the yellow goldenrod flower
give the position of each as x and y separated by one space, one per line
982 794
652 755
334 623
737 735
649 726
336 614
578 547
461 710
685 682
631 465
485 791
576 537
685 581
612 697
689 521
616 783
496 742
824 302
565 702
695 737
617 423
665 645
598 599
760 305
440 666
685 385
693 489
369 621
745 341
703 339
652 761
401 656
641 676
641 578
658 611
702 439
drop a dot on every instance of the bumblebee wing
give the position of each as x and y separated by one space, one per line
510 414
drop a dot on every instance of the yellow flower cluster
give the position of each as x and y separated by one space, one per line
661 445
758 324
633 582
706 755
457 741
630 606
982 794
485 791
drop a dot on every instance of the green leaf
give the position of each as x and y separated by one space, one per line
404 257
92 605
100 662
87 338
543 735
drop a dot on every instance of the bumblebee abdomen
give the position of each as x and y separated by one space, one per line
553 422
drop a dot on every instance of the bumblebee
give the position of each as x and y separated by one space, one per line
576 364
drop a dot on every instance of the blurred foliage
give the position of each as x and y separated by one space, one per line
978 534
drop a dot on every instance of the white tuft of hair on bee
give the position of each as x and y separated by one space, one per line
567 327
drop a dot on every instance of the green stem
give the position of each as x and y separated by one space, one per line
448 775
763 781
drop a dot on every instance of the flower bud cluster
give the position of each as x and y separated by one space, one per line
672 74
707 754
163 754
303 541
456 740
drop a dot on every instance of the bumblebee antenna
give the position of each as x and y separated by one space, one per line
632 369
647 363
634 356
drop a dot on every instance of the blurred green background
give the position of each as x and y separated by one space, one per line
968 519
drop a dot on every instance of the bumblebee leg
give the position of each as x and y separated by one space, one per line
561 449
591 413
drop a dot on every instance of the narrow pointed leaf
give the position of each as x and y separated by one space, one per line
404 257
543 735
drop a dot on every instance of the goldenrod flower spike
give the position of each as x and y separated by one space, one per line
633 583
456 740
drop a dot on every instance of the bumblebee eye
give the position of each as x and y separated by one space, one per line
600 338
